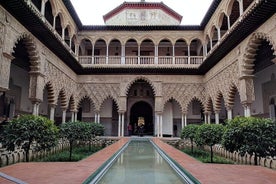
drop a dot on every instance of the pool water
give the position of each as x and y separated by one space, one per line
141 163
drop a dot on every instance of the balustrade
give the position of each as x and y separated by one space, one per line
142 60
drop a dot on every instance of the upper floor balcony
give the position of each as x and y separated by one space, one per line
131 61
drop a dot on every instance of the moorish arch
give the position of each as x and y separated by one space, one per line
172 117
142 78
108 115
195 111
251 50
85 109
140 104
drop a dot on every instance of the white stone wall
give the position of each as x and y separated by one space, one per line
142 17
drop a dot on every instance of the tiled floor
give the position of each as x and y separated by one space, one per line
74 173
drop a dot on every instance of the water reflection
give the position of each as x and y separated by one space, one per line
140 163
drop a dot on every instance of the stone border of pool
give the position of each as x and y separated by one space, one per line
78 172
99 173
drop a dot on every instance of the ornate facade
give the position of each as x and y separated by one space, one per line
171 75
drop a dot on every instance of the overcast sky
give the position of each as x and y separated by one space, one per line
91 11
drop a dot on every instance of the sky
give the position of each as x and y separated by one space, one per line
91 12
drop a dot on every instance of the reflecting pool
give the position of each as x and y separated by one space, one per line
141 163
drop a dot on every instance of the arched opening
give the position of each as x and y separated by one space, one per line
16 99
109 117
264 79
86 110
58 26
235 12
181 52
131 52
142 112
140 103
147 52
165 52
114 50
85 51
100 52
67 36
195 112
49 13
171 119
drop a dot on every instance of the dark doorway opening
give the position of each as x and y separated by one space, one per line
143 110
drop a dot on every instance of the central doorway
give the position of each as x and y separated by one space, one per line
142 110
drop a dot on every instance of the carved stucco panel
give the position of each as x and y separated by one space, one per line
222 81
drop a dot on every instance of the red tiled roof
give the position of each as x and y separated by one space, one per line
143 5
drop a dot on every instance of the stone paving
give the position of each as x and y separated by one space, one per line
77 172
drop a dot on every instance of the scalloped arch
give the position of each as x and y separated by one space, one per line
176 100
30 45
91 102
218 101
112 98
195 99
62 98
51 93
128 86
233 90
251 49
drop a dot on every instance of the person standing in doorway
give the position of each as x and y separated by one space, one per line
129 128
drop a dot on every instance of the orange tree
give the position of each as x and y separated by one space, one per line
29 131
255 136
189 132
209 134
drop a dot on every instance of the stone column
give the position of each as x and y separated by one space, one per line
139 53
42 10
173 54
247 109
63 115
219 36
217 117
228 22
156 54
35 107
123 53
52 112
76 115
241 7
189 55
63 34
161 125
123 124
93 54
157 124
72 116
209 117
98 118
119 125
107 54
229 113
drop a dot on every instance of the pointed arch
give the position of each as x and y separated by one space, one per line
231 95
128 86
111 98
195 99
251 51
51 93
62 98
72 103
84 98
172 99
218 101
209 105
31 48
